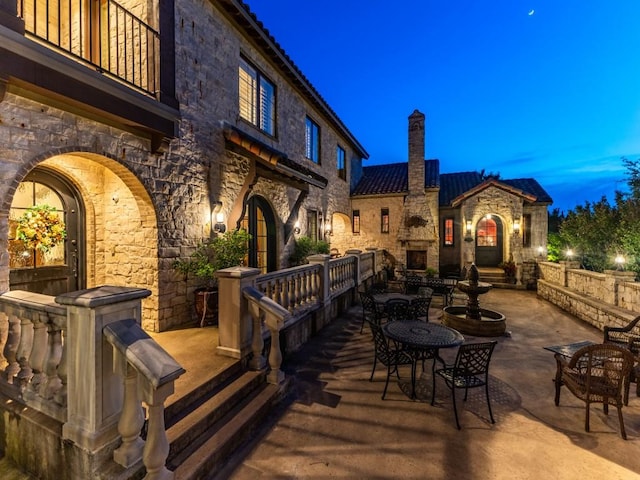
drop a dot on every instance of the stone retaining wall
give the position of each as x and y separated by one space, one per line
604 299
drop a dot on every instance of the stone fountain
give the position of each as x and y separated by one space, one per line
471 319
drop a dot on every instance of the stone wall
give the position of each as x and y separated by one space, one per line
598 298
163 207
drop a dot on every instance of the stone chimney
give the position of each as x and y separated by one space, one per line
416 153
418 226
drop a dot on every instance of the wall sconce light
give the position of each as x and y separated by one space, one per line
540 251
468 227
620 262
327 227
516 226
296 227
487 216
218 216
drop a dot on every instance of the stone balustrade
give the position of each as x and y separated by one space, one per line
33 352
77 369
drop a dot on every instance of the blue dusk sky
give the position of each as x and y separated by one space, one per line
548 89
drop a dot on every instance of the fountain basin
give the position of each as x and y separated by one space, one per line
491 323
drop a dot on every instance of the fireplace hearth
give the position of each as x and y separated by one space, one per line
416 259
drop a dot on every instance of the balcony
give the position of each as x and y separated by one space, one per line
101 34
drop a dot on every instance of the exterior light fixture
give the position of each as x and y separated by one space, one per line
516 226
469 227
327 227
296 227
219 226
540 251
569 254
620 262
487 216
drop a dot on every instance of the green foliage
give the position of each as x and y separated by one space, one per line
223 251
305 246
599 231
431 272
554 247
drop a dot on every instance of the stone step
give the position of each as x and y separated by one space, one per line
218 443
187 434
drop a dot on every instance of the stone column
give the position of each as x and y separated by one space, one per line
234 319
323 260
356 253
613 278
95 391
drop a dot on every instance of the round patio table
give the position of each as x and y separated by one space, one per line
423 339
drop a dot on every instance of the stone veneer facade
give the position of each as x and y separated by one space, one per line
144 210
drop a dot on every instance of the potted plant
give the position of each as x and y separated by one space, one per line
509 269
223 251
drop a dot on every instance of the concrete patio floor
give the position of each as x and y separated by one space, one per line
338 426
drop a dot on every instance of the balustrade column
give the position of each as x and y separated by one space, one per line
132 417
234 320
11 346
356 253
38 354
156 448
325 282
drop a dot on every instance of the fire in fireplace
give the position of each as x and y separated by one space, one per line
416 259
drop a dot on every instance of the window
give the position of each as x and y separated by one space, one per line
312 225
257 98
487 233
448 231
384 220
342 169
312 139
526 230
356 221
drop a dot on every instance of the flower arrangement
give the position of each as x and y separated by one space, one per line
509 267
40 228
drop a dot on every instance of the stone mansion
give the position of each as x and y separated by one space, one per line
143 142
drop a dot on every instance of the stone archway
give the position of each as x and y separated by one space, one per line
121 234
341 237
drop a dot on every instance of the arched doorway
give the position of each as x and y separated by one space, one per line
259 221
60 269
489 234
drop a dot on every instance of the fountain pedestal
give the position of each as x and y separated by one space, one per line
471 319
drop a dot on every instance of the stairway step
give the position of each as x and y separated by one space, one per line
222 440
217 380
186 435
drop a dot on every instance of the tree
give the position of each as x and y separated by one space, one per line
598 232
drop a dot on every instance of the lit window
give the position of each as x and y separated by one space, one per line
487 233
342 169
312 139
448 231
257 98
384 220
356 221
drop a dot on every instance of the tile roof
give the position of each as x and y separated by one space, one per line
392 178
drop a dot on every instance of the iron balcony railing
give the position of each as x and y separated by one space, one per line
100 33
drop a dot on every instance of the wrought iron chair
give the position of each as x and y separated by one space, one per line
370 310
412 283
420 306
627 337
398 309
596 374
470 370
388 353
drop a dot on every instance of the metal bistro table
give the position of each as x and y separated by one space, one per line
419 336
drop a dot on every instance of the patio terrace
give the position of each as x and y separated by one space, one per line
339 427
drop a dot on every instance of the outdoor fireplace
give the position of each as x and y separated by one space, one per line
416 259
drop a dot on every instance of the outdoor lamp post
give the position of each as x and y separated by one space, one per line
619 262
